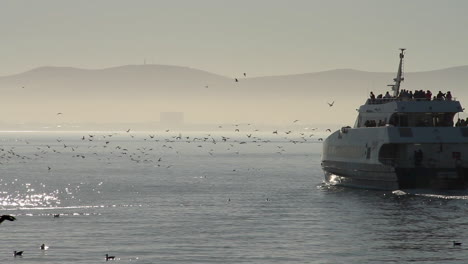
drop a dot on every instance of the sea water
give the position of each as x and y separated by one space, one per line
191 197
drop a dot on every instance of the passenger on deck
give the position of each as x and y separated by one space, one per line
404 95
428 95
379 96
448 96
387 95
416 95
440 96
372 96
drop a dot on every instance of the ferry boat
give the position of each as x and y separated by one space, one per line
400 142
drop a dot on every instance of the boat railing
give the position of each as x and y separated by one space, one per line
404 99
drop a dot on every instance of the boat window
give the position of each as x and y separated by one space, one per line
422 119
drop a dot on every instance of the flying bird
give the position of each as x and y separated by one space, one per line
331 104
245 74
329 130
7 217
59 113
236 79
295 121
128 130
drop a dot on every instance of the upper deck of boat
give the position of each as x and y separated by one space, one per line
407 105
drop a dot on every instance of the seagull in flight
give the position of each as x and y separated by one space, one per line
245 74
59 113
331 104
295 121
236 79
128 130
7 217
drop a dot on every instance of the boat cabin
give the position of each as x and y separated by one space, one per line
408 113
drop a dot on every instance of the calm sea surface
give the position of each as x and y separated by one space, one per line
169 199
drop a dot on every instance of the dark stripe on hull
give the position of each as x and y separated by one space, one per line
423 178
375 176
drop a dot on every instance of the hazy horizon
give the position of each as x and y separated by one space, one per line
263 38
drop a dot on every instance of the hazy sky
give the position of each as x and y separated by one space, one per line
261 37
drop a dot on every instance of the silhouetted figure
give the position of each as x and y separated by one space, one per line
428 95
448 96
440 96
7 217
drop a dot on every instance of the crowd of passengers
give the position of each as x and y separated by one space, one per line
418 95
462 122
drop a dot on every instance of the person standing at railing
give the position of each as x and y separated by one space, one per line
440 96
428 95
448 96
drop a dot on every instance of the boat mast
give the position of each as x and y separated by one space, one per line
399 78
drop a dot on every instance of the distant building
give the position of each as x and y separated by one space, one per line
171 118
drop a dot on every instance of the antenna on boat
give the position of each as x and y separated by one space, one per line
399 78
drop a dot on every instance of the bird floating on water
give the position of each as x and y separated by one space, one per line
18 253
455 243
109 257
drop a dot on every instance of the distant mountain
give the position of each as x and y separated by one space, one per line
138 93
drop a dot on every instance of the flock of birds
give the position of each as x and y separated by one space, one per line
153 148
